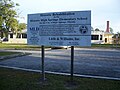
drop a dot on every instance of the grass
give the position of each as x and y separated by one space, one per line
106 45
7 53
21 80
29 47
18 46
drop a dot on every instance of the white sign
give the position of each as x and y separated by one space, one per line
60 28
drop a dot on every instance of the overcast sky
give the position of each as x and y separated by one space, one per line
101 10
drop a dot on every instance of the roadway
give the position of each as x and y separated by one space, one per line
88 61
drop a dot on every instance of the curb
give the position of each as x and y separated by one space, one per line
47 49
13 56
59 73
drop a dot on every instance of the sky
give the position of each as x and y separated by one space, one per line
101 10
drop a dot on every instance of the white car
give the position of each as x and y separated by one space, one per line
66 47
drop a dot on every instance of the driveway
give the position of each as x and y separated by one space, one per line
88 61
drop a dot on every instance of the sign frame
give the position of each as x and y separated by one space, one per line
71 28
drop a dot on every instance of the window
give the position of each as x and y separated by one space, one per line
100 37
94 37
18 35
11 35
105 39
24 35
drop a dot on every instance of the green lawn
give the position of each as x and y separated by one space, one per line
18 46
106 45
21 80
7 53
25 46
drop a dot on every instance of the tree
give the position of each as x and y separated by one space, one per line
8 16
22 26
13 24
1 20
111 30
97 29
118 33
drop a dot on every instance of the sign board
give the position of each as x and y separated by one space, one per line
60 28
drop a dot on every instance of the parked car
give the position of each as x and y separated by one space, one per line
66 47
4 39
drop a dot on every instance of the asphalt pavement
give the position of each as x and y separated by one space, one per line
87 61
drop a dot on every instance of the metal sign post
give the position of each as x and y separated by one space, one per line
72 62
43 69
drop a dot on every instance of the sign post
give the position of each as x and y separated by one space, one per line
43 70
72 62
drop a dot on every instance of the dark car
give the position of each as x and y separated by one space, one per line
4 39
